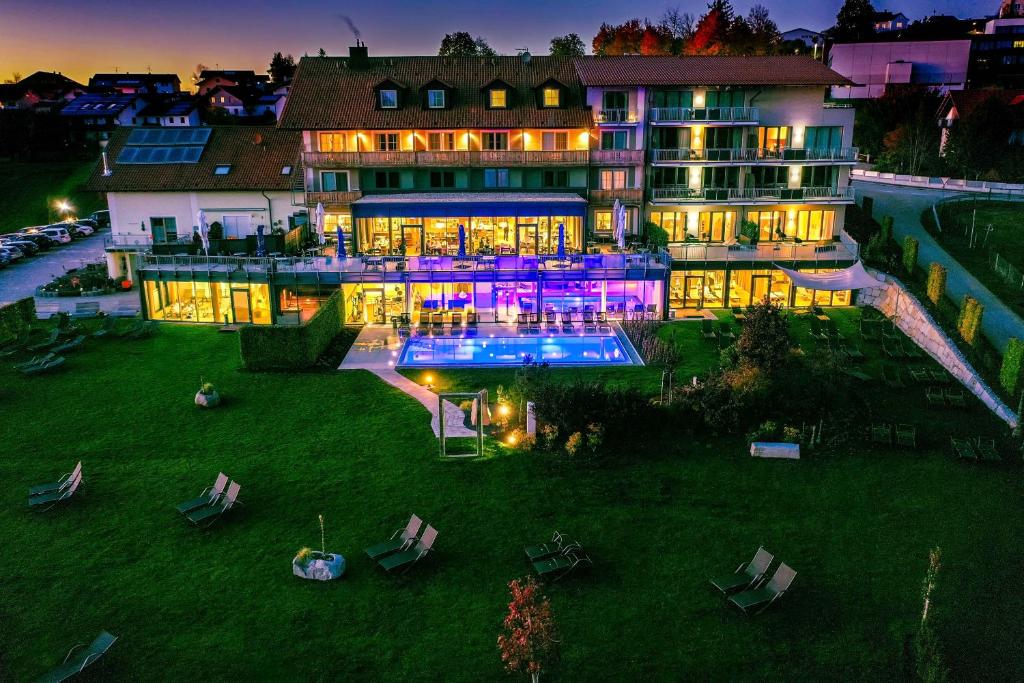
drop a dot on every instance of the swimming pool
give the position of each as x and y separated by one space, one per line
511 350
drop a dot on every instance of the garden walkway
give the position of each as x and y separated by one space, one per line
376 350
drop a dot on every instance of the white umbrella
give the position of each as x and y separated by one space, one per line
204 231
320 223
619 221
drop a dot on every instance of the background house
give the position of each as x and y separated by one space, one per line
135 84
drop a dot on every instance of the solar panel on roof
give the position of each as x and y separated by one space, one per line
164 146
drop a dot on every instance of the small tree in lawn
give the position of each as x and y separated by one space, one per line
936 286
910 248
764 341
528 642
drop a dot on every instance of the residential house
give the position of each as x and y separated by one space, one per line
806 36
135 84
961 103
95 115
874 66
211 79
43 90
885 22
170 111
245 102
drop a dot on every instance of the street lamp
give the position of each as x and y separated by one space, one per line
64 207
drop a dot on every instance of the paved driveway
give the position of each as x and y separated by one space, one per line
905 205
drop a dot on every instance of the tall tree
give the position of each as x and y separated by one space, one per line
462 44
281 68
680 24
570 45
912 144
989 126
764 33
855 21
483 49
633 37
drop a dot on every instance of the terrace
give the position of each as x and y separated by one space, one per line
751 195
768 157
456 158
698 115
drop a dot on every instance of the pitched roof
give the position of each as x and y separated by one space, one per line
966 101
640 70
256 154
337 92
98 104
169 106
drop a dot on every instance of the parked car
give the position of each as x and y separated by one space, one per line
12 253
4 260
41 240
80 229
28 247
102 218
57 234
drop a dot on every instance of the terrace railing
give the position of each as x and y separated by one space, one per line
458 158
684 193
764 251
617 156
616 116
702 114
752 156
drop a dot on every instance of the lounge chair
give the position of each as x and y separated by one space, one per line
400 540
881 433
471 319
892 348
561 565
109 325
816 331
46 343
424 321
857 375
48 500
59 485
16 345
759 599
125 311
456 322
935 396
567 325
737 314
208 496
870 330
891 377
910 350
534 323
955 397
86 309
920 375
963 449
602 322
940 376
986 450
407 558
521 322
589 322
38 367
558 544
906 436
70 345
852 352
141 330
76 662
746 575
725 333
707 330
208 514
437 321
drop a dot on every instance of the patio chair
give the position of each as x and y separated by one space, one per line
76 662
889 331
589 322
16 345
963 449
857 375
558 544
892 348
602 322
940 376
109 325
400 540
208 496
935 396
567 325
143 329
816 331
62 483
870 330
761 598
208 514
46 343
533 323
707 330
891 377
424 322
437 321
521 322
725 333
920 375
70 345
906 436
456 321
86 309
45 501
881 433
738 315
851 352
955 398
471 320
910 349
560 566
746 575
46 364
405 559
986 450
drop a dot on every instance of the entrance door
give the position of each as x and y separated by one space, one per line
413 236
693 291
761 287
240 302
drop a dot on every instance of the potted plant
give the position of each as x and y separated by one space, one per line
749 233
207 396
318 565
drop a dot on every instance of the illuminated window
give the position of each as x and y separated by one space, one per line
612 179
332 142
603 221
552 97
498 98
1018 44
387 142
388 99
435 99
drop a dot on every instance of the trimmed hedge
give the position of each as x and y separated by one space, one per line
1013 366
286 347
970 319
910 249
16 319
936 287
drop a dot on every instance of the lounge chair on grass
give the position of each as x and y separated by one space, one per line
45 501
920 375
210 513
986 450
589 322
550 321
852 352
562 565
707 330
109 326
456 326
70 345
39 366
59 485
891 377
906 436
955 398
46 343
746 575
567 325
881 433
557 545
405 559
400 540
759 599
208 496
963 449
940 376
602 322
935 397
857 375
910 349
76 662
16 345
725 333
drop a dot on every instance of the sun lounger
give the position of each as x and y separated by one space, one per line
424 321
906 436
76 662
935 396
46 343
858 375
437 321
59 485
759 599
208 496
870 330
589 322
852 352
405 559
737 314
125 311
567 325
533 326
940 376
963 449
746 575
986 450
108 326
45 501
562 565
557 545
891 377
920 375
49 362
892 348
16 345
70 345
725 333
707 330
471 319
400 540
208 514
881 433
456 322
955 398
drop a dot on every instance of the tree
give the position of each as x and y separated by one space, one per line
764 340
483 49
462 44
910 143
987 127
528 640
321 52
712 33
570 45
855 21
197 72
618 39
678 23
15 77
764 32
281 68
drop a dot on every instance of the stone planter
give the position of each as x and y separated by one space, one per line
210 400
319 567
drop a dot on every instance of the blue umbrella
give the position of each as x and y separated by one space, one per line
261 242
462 241
561 241
341 243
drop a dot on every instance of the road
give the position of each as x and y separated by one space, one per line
905 205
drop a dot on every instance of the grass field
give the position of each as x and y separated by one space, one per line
28 192
222 604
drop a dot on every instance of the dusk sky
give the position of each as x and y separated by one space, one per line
81 37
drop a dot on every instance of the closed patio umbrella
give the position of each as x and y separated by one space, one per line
204 231
320 223
619 217
462 240
341 243
561 240
261 241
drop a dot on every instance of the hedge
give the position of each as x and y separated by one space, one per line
1013 366
910 249
970 319
286 347
16 319
936 288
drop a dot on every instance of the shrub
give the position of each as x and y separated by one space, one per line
881 250
969 321
764 340
1012 367
16 319
643 335
910 248
657 236
292 348
936 285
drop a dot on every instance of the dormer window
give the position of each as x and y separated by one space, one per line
497 98
388 99
435 99
222 169
552 97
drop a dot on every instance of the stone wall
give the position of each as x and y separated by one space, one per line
914 320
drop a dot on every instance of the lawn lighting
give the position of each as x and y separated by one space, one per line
511 440
503 410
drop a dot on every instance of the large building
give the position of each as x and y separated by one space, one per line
491 183
873 67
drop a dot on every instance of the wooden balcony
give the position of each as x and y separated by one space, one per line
332 199
631 157
458 158
626 195
580 157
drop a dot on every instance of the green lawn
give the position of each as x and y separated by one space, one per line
222 604
1005 238
28 192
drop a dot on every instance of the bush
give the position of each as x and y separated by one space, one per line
882 250
1012 367
764 340
16 319
910 248
936 286
643 335
969 320
657 236
292 348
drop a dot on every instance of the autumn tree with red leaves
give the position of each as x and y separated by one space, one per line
528 642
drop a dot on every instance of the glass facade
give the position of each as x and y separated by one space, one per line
485 235
208 302
692 289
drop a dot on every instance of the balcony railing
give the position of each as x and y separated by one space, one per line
332 198
628 195
684 193
704 114
753 156
616 116
617 156
448 158
765 251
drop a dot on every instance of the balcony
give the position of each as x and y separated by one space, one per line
332 199
753 156
459 158
824 252
631 157
579 157
699 115
606 116
626 195
751 195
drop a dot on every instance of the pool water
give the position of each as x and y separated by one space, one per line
490 351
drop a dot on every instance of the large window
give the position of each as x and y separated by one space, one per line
722 138
772 138
552 97
495 177
672 98
435 99
556 179
612 179
388 99
811 225
602 221
671 138
823 137
614 139
442 179
716 226
614 99
497 98
494 141
672 222
723 98
553 140
768 176
387 142
334 181
388 180
818 176
721 177
771 225
165 228
670 176
332 142
441 142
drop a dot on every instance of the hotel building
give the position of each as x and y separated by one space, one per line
489 184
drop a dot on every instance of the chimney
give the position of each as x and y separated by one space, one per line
106 165
358 54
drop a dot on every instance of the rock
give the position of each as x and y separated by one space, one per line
210 400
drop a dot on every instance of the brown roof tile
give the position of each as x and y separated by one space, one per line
638 70
254 166
331 93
